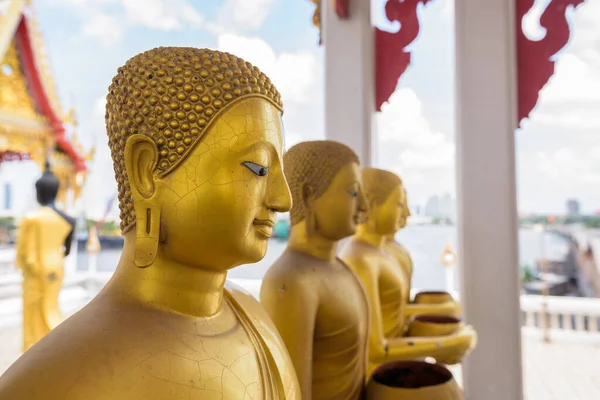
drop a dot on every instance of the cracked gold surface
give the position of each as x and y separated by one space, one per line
167 326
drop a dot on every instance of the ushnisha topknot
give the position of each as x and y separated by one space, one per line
378 184
314 163
173 95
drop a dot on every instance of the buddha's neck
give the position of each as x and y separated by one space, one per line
170 285
314 245
368 235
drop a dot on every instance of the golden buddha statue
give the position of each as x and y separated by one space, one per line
316 302
381 276
44 240
425 302
196 139
397 250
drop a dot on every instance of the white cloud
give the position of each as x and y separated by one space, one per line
106 28
567 166
245 14
164 15
107 20
573 80
401 122
294 74
422 157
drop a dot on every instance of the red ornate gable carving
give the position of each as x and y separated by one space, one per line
534 64
40 96
342 8
391 57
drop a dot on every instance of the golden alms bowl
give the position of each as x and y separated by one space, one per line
432 325
433 297
412 380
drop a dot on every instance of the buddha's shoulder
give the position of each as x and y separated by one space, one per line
294 267
87 348
359 255
397 250
60 362
30 217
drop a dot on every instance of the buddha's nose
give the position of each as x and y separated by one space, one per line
279 197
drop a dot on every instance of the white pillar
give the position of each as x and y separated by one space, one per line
486 121
349 77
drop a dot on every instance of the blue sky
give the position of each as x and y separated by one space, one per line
558 150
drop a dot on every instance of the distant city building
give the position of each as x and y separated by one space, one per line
573 207
441 207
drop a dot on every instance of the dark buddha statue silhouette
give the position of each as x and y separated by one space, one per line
45 237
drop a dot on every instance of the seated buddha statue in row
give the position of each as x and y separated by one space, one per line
425 302
317 302
197 141
382 278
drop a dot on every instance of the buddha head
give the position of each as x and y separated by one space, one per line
384 193
326 186
196 139
405 213
47 186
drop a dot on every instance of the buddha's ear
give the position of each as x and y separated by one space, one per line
308 195
141 156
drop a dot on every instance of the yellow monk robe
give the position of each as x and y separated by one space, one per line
40 255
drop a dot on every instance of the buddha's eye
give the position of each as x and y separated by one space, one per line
352 192
256 169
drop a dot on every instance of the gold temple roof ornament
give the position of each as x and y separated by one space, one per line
32 121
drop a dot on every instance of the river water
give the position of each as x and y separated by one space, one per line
425 243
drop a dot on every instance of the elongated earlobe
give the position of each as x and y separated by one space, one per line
147 236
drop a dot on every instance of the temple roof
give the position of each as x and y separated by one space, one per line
19 29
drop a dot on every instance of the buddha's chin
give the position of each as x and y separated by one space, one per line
257 251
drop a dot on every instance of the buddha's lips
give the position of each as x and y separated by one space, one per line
264 227
264 222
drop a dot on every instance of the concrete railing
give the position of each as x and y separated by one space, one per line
574 317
